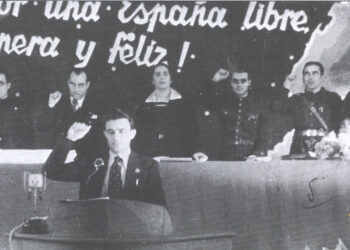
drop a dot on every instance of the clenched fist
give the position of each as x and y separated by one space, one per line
77 131
54 98
220 75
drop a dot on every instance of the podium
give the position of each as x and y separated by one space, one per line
115 224
109 219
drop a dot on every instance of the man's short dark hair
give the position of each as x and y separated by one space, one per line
241 69
320 66
79 71
115 114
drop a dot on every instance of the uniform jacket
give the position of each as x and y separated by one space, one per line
15 126
346 107
142 181
327 104
245 121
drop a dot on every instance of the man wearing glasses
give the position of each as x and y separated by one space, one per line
242 114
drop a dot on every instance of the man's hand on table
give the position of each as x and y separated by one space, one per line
258 158
200 157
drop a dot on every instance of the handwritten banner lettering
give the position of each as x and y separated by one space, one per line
129 47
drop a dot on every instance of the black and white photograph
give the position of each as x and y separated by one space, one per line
182 125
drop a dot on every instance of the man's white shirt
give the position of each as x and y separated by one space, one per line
80 102
125 158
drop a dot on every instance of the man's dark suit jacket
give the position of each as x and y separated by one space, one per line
50 123
142 181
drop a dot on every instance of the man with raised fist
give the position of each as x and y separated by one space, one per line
242 114
112 170
60 111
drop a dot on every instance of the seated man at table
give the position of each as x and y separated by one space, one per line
316 112
79 103
113 170
15 126
242 113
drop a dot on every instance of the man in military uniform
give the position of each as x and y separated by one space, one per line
15 129
315 112
242 114
60 111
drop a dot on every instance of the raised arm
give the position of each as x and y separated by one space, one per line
55 166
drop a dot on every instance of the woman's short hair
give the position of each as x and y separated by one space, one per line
164 64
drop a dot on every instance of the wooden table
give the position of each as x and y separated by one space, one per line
210 241
271 205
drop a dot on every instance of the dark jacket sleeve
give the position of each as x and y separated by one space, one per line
155 192
17 125
264 132
218 90
46 118
27 131
336 113
55 167
280 102
190 130
346 107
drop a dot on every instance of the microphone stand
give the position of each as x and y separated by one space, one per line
35 187
97 164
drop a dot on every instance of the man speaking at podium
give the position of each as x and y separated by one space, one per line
113 170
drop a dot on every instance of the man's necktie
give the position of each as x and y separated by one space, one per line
115 185
74 104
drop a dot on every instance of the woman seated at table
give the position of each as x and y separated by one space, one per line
164 121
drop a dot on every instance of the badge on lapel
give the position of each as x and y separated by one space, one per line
137 171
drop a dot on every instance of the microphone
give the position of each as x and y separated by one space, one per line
97 164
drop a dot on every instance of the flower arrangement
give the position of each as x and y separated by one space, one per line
333 146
